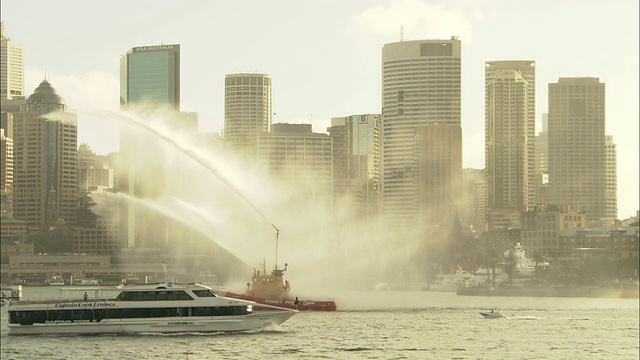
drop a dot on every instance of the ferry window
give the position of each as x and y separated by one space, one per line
202 311
203 293
184 296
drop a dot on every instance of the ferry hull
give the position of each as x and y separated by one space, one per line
302 305
205 324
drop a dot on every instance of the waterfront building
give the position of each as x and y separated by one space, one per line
45 144
509 137
247 111
12 231
356 161
543 224
613 243
577 151
98 234
421 85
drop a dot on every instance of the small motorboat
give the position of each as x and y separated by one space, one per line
492 315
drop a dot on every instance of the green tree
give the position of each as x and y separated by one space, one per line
597 269
627 268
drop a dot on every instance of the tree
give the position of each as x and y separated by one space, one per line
510 264
491 260
538 258
597 269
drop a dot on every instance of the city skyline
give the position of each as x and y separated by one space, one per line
329 66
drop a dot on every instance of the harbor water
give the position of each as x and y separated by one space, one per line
379 325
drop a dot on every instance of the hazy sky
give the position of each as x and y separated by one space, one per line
324 56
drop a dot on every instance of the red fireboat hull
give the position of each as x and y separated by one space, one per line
302 305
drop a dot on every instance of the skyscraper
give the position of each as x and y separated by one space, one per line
6 176
46 182
247 111
11 68
510 136
440 172
151 75
356 160
296 155
611 180
11 81
577 161
420 86
542 163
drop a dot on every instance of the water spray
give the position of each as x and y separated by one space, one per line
193 154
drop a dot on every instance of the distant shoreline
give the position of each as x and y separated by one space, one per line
624 293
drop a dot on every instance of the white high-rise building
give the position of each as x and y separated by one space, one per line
421 85
611 180
11 68
247 111
510 135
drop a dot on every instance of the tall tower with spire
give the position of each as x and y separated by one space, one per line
45 146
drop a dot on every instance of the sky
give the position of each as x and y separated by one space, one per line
324 56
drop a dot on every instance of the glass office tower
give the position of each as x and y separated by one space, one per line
151 75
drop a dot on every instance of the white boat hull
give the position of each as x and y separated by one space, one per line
204 324
492 315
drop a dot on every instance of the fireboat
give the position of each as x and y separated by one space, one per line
272 289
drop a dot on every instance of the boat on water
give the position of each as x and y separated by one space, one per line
10 293
271 289
56 280
82 280
89 282
492 315
451 282
524 269
147 308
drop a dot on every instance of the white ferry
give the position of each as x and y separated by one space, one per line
148 308
56 280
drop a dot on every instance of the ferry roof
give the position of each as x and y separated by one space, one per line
136 287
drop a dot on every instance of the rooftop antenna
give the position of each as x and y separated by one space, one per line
401 33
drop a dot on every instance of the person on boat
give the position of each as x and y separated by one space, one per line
85 296
3 296
493 311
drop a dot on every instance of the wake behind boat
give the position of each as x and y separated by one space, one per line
155 308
